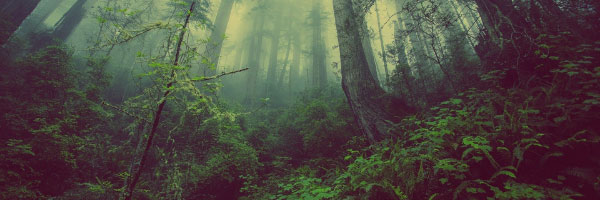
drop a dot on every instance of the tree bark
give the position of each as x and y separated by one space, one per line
285 62
239 55
38 15
272 71
217 36
465 28
364 94
66 25
319 69
383 54
417 50
402 68
254 59
368 50
294 77
13 13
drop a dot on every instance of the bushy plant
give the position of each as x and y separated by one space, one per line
44 123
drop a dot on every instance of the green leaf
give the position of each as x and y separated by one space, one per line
101 20
443 180
503 172
455 101
560 119
477 142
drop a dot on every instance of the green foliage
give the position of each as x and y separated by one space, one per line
44 121
537 140
490 143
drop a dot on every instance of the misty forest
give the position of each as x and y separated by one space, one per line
299 99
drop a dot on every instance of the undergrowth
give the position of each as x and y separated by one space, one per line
539 141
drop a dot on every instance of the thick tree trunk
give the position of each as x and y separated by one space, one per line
402 68
66 25
368 49
509 46
32 23
217 36
364 94
12 14
487 13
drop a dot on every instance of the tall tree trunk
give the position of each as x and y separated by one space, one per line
417 49
12 14
254 55
460 18
400 47
402 67
383 54
217 36
239 55
38 15
285 62
294 77
66 25
156 121
364 94
368 49
319 69
272 71
509 46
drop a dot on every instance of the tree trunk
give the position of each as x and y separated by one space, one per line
239 55
364 94
464 27
385 64
38 15
294 77
285 62
400 47
402 68
254 59
272 71
368 50
417 50
155 122
217 36
12 14
319 69
66 25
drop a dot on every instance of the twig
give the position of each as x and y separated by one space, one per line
123 111
218 76
125 36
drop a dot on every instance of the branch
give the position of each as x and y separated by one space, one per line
128 192
123 36
123 111
218 76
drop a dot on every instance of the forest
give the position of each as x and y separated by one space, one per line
300 99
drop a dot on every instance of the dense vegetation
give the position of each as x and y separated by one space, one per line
506 110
